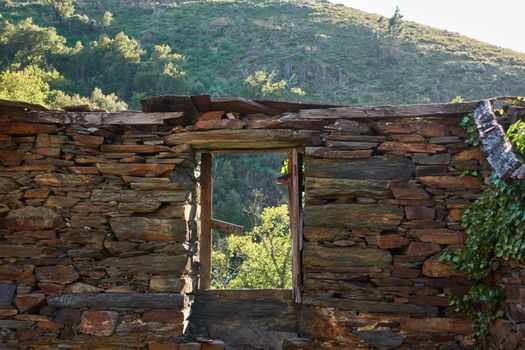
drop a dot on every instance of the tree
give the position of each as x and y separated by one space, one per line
30 84
390 31
161 74
62 8
107 19
259 259
27 43
96 100
262 84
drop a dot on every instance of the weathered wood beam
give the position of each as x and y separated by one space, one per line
397 111
496 146
91 118
205 242
239 139
118 300
295 210
226 227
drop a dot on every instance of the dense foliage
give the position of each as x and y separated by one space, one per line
260 259
495 224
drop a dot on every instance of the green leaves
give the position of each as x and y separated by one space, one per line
468 123
495 224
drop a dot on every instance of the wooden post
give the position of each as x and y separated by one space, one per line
295 208
206 195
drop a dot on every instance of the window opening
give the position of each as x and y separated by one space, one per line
251 217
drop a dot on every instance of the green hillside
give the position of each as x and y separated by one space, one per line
333 53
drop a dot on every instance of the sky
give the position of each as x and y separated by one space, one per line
497 22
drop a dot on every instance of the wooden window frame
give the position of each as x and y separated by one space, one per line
207 223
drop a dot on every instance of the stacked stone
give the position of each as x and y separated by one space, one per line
97 236
383 199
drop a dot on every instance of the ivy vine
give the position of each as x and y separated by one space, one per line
495 224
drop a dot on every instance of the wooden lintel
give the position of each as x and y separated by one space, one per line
226 227
91 118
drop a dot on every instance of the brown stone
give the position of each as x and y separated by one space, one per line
18 128
48 151
410 147
33 219
84 170
68 316
500 331
469 182
52 326
431 170
454 214
163 316
392 241
135 169
434 268
469 154
436 325
7 185
61 202
409 193
213 345
190 346
29 302
149 229
422 249
66 180
11 158
431 300
9 272
317 255
439 235
134 148
167 284
430 130
419 213
51 288
27 334
7 313
19 251
61 274
40 193
404 272
88 140
160 264
98 323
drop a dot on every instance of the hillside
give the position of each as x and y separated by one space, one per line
333 53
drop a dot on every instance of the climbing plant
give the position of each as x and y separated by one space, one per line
495 224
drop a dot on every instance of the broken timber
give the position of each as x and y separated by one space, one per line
497 147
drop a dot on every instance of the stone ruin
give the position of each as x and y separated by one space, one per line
100 227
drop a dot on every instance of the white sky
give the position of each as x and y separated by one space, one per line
499 22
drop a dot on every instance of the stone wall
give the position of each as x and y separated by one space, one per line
382 201
98 234
97 237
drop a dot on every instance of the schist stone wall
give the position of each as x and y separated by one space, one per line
98 235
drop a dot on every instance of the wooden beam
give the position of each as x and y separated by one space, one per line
395 111
91 118
226 227
239 139
205 243
496 146
295 208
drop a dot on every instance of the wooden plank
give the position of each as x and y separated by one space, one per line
92 118
118 300
416 110
295 207
205 243
496 146
239 139
226 227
